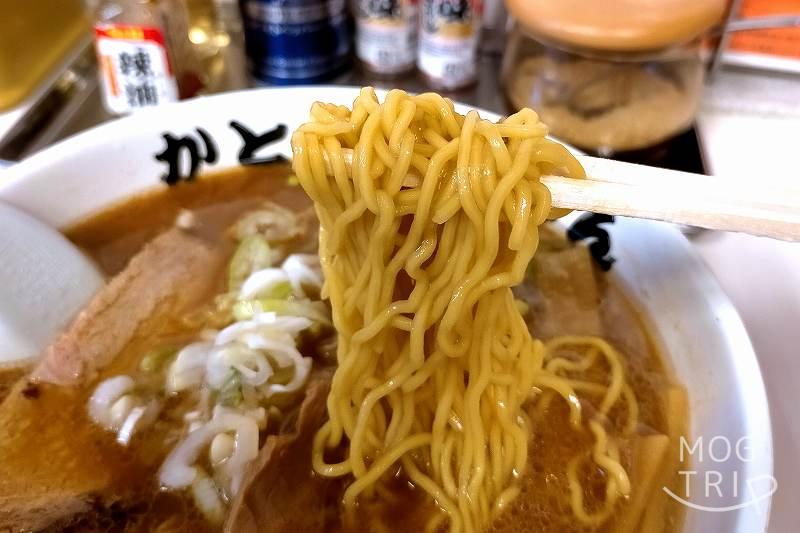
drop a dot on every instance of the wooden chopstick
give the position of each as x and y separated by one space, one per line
711 202
626 189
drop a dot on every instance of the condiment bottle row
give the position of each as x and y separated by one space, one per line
440 37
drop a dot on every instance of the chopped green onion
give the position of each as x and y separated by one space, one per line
155 359
246 309
206 497
253 253
282 375
230 394
280 291
316 311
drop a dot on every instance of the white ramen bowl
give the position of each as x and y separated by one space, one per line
697 325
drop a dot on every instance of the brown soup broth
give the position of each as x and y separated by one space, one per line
113 236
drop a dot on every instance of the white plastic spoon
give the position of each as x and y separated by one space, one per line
44 281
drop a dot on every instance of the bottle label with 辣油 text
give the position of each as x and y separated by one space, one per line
135 70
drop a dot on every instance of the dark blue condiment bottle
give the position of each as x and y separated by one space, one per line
292 42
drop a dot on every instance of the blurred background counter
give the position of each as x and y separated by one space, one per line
595 87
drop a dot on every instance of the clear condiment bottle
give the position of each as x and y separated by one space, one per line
143 53
493 27
386 35
448 43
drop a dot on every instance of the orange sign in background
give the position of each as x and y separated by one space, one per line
782 42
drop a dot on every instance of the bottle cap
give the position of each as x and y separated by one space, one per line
618 25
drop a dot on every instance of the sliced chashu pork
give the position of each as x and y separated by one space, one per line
281 494
173 273
49 468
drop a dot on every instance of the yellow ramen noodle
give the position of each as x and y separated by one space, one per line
428 218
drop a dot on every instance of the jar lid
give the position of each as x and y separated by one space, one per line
618 25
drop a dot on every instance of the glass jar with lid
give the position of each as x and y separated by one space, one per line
611 76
